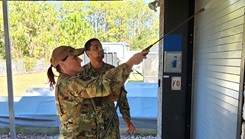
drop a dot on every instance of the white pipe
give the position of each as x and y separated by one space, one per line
9 70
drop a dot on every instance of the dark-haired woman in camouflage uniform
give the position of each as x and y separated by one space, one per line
72 93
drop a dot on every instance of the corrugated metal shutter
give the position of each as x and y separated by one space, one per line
217 66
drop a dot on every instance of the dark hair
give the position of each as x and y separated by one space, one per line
51 75
88 43
51 79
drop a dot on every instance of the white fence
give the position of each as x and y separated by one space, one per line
148 69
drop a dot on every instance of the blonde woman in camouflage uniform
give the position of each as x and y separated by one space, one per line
79 119
95 68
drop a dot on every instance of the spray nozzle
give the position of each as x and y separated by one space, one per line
201 10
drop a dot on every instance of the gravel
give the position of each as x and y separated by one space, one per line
139 136
44 136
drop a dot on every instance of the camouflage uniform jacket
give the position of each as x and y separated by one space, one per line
107 104
79 119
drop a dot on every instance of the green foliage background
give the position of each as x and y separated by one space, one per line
37 27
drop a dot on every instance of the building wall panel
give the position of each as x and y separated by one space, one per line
217 69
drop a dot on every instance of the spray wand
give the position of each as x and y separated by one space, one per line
149 47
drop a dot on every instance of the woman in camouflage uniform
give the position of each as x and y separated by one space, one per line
79 120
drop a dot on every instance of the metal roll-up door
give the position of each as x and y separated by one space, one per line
217 71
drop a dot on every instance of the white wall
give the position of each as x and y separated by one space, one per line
218 58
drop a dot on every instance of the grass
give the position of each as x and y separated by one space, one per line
24 81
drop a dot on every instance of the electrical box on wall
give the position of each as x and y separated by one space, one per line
172 61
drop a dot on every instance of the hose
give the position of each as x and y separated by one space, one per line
109 123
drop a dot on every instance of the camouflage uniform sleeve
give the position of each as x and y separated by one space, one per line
104 85
113 97
124 106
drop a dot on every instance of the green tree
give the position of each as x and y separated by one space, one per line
129 21
144 27
73 27
2 48
32 25
37 27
